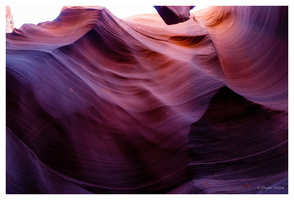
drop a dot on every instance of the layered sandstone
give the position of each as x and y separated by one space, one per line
97 104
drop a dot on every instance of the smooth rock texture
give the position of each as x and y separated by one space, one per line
97 104
257 37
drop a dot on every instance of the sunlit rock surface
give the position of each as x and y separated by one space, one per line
97 104
9 20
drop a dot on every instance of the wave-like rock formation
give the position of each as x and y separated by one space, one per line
98 104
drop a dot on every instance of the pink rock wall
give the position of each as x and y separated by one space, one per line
9 20
97 104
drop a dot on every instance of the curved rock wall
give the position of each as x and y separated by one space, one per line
97 104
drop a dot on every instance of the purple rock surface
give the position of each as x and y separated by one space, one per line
97 104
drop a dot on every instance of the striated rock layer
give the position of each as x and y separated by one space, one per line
97 104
